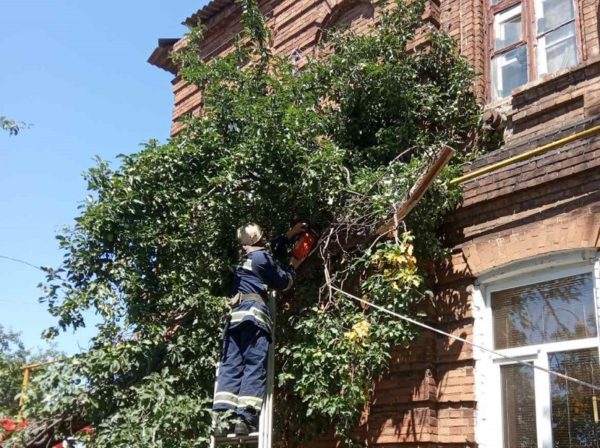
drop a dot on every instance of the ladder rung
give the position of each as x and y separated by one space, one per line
232 439
261 438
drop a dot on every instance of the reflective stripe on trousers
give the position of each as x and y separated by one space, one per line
227 399
243 371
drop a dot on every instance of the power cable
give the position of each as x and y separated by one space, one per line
458 338
19 302
16 260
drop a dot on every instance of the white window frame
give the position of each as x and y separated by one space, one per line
498 70
489 419
532 39
505 16
499 61
542 60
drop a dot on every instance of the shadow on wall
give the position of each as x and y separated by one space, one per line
431 380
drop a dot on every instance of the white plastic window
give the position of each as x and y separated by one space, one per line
509 68
540 313
556 38
519 52
507 27
547 319
509 71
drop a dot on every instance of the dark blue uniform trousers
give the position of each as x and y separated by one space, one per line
243 371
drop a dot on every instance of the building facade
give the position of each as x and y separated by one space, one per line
524 274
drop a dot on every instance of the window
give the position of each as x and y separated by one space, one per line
547 320
530 38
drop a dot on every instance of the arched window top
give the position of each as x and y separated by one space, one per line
346 12
355 14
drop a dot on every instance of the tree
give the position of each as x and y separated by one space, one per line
13 355
337 145
11 126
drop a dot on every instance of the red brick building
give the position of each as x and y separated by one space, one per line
524 277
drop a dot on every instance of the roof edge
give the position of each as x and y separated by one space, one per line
208 12
161 56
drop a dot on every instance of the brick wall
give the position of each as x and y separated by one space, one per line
297 24
296 29
543 205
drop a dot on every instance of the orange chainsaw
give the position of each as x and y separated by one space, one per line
304 244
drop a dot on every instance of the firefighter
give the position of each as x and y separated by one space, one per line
243 369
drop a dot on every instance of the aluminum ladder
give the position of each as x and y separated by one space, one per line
263 437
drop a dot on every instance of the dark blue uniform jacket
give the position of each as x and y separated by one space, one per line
256 274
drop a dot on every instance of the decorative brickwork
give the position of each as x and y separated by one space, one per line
547 204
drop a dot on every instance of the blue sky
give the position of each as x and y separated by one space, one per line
77 70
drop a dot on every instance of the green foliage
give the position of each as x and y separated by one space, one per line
11 126
338 145
336 348
13 355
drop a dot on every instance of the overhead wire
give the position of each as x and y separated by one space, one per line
19 302
463 340
16 260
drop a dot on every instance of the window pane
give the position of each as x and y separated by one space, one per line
507 27
557 310
554 13
518 407
560 48
509 71
572 409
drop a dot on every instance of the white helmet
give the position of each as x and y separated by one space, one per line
249 234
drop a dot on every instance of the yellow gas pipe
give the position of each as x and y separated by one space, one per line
526 155
26 378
